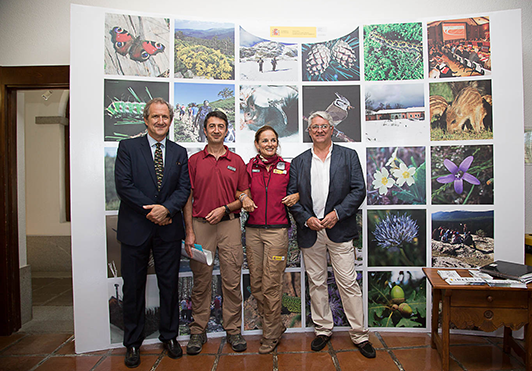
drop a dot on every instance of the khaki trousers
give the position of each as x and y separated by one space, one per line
266 252
343 263
227 237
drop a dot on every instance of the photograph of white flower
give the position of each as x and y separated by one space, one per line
396 176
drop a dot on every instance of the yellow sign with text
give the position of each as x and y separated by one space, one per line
293 32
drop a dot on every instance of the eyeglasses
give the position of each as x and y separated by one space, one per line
323 127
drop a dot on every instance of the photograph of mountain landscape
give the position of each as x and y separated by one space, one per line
204 50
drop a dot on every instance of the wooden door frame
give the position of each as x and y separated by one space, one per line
13 79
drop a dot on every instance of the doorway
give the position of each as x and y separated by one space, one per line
12 80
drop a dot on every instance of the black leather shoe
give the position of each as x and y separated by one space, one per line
173 348
319 342
132 359
366 349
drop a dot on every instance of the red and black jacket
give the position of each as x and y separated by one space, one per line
268 188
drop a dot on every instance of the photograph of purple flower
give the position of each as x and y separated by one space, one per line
397 299
396 238
462 175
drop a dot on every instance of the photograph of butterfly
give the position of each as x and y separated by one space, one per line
135 45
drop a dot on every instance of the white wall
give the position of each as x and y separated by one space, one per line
36 32
44 166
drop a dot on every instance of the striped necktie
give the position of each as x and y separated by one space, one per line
159 167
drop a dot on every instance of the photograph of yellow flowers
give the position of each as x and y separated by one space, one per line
397 298
462 175
396 176
397 238
204 50
136 46
462 239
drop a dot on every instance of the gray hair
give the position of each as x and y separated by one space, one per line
146 112
323 114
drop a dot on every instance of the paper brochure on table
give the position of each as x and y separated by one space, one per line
198 254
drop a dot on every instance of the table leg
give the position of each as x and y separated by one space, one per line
528 347
506 347
445 325
436 298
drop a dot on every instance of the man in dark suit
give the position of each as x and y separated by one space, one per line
153 184
331 189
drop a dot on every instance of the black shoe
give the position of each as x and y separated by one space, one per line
319 342
173 348
195 344
366 349
132 359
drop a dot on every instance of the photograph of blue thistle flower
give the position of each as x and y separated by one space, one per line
393 52
397 299
462 175
335 300
397 238
396 176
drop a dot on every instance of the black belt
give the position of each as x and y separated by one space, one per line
227 217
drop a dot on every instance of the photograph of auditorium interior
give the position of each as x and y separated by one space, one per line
459 47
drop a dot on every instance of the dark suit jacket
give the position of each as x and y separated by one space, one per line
347 191
136 186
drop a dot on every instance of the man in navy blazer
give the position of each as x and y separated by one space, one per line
331 188
150 218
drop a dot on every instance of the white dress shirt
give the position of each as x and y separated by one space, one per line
319 182
153 147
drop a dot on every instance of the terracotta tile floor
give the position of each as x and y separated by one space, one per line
395 351
38 348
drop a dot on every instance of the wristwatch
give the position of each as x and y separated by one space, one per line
227 211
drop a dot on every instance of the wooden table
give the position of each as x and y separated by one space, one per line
487 308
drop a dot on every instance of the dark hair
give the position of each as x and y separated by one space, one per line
218 114
146 112
262 130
